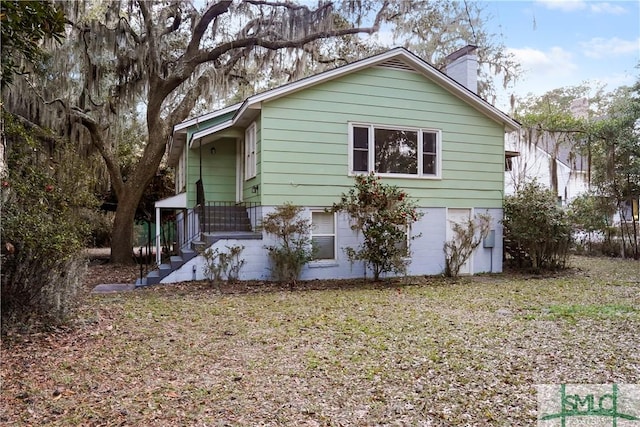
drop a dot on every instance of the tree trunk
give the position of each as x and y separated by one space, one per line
122 233
133 190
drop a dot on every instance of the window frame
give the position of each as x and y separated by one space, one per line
508 164
334 235
250 152
420 150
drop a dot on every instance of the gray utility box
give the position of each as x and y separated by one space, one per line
490 240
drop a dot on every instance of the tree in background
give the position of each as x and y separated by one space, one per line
592 219
553 123
383 214
24 25
603 129
168 59
615 144
434 29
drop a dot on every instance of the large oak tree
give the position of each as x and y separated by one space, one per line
167 59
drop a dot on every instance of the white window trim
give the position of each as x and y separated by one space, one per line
328 262
250 155
181 175
371 153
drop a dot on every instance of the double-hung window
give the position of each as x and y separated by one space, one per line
323 235
250 159
395 151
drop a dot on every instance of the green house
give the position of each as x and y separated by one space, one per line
303 143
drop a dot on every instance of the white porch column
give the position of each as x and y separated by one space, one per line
158 249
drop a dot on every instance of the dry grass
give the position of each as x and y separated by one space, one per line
431 352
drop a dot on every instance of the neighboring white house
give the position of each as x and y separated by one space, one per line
531 155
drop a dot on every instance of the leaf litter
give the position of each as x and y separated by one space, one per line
422 351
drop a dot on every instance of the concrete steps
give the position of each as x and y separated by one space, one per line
217 222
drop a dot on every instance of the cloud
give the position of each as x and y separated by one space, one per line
613 9
554 62
575 5
599 47
617 79
563 5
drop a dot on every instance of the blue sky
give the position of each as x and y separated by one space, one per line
566 42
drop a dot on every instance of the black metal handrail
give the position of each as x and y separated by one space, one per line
187 226
145 255
228 216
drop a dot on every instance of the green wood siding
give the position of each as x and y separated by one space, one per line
304 146
218 171
193 165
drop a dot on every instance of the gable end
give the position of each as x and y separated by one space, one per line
397 64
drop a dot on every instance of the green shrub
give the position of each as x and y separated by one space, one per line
590 217
220 265
99 225
383 214
294 249
537 232
42 234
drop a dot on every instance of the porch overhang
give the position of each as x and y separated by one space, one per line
208 136
179 201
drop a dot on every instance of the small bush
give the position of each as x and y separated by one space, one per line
467 236
220 265
294 249
383 214
39 293
537 232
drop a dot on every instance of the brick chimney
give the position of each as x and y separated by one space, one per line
462 66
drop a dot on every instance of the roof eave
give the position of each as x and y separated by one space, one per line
211 130
417 63
182 126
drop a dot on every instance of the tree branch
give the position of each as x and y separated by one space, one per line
181 112
290 6
171 12
203 56
36 130
213 54
213 11
150 35
98 141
